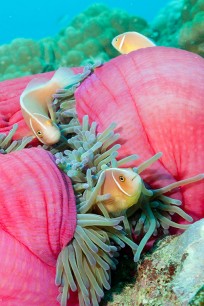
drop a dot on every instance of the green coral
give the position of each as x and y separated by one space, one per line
89 35
167 23
181 24
191 34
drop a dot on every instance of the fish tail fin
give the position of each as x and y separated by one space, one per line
64 76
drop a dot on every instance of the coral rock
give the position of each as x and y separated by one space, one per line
173 273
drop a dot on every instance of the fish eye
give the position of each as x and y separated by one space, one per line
121 178
39 133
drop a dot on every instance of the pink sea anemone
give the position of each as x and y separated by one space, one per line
155 97
36 202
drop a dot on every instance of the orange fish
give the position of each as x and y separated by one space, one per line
124 186
130 41
36 105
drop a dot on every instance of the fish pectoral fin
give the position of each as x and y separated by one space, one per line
63 77
51 112
114 206
109 202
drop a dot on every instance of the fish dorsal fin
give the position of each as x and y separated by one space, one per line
119 186
34 84
145 38
63 76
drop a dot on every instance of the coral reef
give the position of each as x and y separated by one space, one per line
167 23
181 24
191 33
21 57
89 35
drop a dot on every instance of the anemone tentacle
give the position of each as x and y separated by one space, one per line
8 145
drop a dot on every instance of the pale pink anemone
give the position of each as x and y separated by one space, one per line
155 96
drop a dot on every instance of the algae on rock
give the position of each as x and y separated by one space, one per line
171 274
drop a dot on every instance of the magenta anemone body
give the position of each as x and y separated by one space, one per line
38 218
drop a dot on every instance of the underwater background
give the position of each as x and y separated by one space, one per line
42 36
37 19
39 37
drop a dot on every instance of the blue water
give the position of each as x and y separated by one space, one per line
40 18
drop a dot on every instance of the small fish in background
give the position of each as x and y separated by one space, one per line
131 41
124 186
36 105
